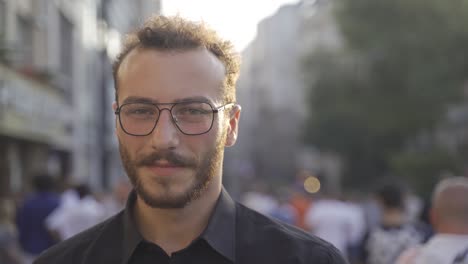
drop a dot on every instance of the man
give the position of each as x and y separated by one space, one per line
176 112
383 244
329 219
30 219
449 217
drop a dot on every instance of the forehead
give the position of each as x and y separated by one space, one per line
167 76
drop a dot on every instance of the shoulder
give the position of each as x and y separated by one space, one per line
75 248
264 236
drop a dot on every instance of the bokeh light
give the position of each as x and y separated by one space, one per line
312 184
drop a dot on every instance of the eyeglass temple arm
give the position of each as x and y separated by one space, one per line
222 108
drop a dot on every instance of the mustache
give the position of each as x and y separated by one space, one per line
170 156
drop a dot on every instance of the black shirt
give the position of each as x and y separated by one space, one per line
235 234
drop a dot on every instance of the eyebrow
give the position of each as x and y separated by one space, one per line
138 99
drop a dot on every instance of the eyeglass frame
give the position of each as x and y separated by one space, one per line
214 109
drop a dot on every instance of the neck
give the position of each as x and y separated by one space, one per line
452 228
175 229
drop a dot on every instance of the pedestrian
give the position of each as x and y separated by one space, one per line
384 243
449 217
78 215
34 237
175 113
329 219
56 222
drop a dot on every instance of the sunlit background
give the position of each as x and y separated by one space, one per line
234 20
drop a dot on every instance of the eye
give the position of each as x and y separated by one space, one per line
195 111
139 111
142 111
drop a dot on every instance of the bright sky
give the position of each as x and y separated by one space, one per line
235 20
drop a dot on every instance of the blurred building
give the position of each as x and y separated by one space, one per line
273 95
55 84
37 79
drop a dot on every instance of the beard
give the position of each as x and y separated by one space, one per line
205 170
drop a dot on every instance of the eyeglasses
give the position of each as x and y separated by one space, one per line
191 118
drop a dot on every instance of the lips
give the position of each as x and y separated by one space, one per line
164 169
165 159
165 163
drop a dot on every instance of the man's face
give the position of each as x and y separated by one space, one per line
168 168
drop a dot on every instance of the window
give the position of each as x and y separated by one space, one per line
3 14
25 41
66 46
66 54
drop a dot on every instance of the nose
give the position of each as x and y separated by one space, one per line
165 134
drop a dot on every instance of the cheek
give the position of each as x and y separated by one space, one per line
133 145
215 139
201 144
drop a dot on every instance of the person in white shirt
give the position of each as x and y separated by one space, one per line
449 217
328 218
357 230
56 221
78 214
259 199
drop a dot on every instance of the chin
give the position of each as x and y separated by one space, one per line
167 196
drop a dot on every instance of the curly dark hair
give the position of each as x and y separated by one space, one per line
176 33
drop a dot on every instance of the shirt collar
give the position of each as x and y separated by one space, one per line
132 236
220 232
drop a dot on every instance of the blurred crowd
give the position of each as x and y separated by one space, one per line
31 224
387 226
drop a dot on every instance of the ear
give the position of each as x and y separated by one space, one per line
233 126
114 106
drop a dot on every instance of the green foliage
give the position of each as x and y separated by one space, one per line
422 169
404 62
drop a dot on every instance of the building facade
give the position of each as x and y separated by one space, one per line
38 74
56 88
